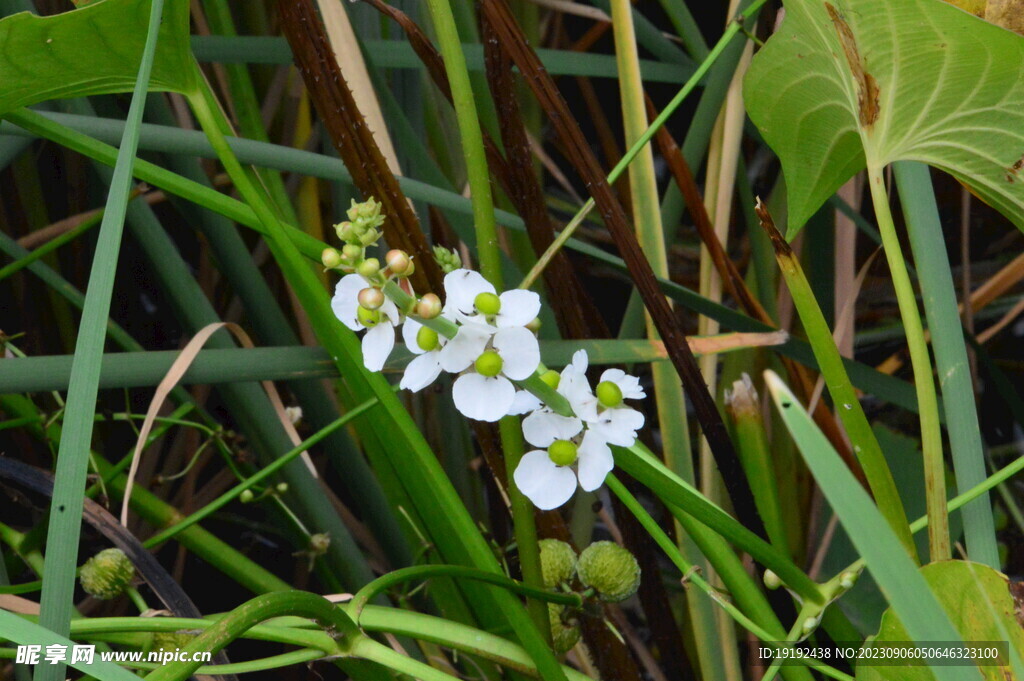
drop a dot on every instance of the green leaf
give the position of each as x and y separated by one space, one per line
92 50
856 83
979 602
893 570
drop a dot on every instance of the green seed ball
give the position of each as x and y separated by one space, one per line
552 378
427 339
563 452
487 303
563 636
489 364
609 394
107 574
610 569
368 318
557 562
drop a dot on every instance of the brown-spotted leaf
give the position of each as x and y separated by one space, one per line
850 83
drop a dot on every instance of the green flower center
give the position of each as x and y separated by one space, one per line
489 364
552 378
368 318
562 452
609 394
487 303
427 339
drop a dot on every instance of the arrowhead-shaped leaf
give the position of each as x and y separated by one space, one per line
92 50
849 83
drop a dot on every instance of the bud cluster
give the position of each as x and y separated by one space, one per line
107 574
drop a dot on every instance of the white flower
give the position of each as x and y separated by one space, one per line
380 324
486 393
463 289
546 475
426 344
604 412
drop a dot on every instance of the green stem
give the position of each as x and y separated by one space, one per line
368 649
51 245
931 429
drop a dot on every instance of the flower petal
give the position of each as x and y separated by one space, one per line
524 403
629 385
595 462
377 345
420 372
519 351
346 300
461 288
548 486
461 351
618 426
390 310
518 308
543 427
482 398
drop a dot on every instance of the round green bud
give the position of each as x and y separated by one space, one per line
352 253
534 325
429 306
246 496
610 570
330 258
368 318
427 339
771 580
562 452
398 262
609 394
552 378
281 487
319 543
489 364
107 574
557 562
344 231
447 260
371 298
563 636
487 303
170 641
369 268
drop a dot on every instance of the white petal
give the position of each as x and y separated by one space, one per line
524 403
518 308
543 427
580 361
409 332
629 385
519 351
548 486
461 351
377 345
420 372
482 398
390 311
618 426
346 300
595 462
461 288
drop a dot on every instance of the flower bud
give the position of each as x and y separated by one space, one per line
369 268
369 237
534 325
319 543
810 624
368 318
398 262
366 213
557 562
345 232
771 580
609 569
848 579
563 636
107 574
552 378
447 260
487 303
281 487
609 394
371 298
330 258
429 306
294 414
351 253
246 496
